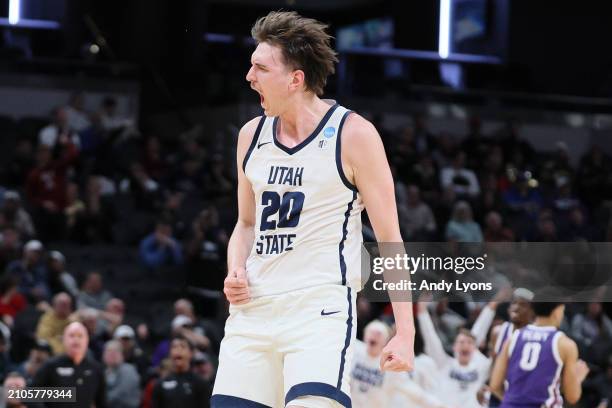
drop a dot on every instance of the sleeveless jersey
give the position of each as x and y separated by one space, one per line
534 369
505 332
308 215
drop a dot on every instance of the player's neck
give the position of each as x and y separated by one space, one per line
301 118
544 322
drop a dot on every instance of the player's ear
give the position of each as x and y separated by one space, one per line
297 79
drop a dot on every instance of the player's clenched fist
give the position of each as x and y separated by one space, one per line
236 286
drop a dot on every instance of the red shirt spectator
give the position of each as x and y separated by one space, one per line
47 183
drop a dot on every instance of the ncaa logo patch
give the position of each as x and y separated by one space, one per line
329 132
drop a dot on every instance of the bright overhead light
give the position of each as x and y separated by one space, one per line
14 11
444 31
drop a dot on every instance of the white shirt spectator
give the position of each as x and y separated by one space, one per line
462 181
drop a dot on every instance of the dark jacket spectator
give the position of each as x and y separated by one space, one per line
31 273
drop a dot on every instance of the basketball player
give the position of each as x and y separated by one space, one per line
306 169
521 314
371 387
462 375
537 362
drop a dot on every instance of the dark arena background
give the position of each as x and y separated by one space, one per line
118 130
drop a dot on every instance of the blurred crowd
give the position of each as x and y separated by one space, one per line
92 178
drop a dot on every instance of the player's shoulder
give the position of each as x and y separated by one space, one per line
248 130
357 126
566 346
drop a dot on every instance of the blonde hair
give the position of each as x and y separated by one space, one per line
379 326
304 44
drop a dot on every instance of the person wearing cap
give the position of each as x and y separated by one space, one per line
122 380
15 215
31 273
132 353
59 279
182 388
75 368
39 354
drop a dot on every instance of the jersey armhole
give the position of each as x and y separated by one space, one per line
253 142
513 340
555 348
345 180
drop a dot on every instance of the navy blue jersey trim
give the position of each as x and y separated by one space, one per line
345 181
253 142
304 143
347 339
229 401
347 215
320 390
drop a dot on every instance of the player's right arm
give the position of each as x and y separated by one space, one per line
236 286
574 370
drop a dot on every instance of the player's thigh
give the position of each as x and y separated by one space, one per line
250 370
318 358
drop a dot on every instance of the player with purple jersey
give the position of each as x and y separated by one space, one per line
537 362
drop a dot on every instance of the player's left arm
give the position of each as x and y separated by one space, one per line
365 164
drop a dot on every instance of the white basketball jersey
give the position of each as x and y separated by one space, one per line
308 215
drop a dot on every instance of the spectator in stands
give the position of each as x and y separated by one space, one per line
590 326
112 316
181 326
92 292
122 380
144 190
5 360
182 388
76 116
94 222
461 227
59 279
564 200
22 159
594 183
425 175
475 144
445 150
218 182
97 336
416 218
111 120
517 151
160 247
152 159
462 180
58 130
203 366
52 324
11 301
495 230
15 216
424 139
39 354
524 201
200 326
46 187
206 248
598 389
132 353
545 229
557 166
10 247
14 381
74 207
30 272
578 229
